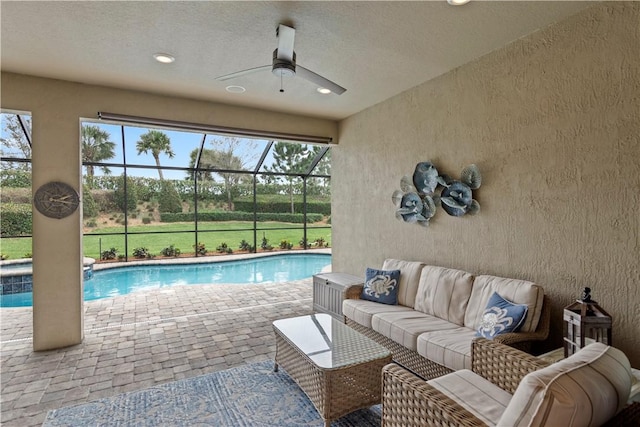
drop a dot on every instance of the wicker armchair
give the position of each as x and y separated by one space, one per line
408 400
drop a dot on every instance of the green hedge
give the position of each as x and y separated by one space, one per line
276 206
169 200
238 216
16 220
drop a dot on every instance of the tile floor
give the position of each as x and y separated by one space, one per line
140 340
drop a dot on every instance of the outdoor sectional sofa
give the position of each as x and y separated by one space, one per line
438 312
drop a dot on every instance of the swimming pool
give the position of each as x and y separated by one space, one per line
124 280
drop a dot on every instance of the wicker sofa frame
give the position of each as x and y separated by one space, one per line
428 369
408 400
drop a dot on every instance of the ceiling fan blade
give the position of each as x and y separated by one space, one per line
319 80
243 73
286 37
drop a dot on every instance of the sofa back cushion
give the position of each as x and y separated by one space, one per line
586 389
514 290
444 293
409 279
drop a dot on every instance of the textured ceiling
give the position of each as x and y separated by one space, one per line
374 49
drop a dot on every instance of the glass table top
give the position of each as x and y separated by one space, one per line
328 342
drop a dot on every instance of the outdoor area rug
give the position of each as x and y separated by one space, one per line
251 395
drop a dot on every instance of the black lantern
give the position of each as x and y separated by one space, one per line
585 321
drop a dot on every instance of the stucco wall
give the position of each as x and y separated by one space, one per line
553 122
56 107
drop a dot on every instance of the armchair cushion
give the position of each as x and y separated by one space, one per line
482 398
586 389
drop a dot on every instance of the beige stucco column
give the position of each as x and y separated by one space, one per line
57 243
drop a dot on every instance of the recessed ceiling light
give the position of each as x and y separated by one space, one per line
457 2
235 89
164 58
323 90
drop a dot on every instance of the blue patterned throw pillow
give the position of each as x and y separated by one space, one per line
381 286
501 316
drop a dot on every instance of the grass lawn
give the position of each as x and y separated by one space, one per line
212 234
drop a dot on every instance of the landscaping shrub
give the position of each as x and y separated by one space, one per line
200 248
170 251
89 205
285 244
132 196
146 220
142 252
16 220
109 254
265 243
169 200
224 249
15 195
245 246
105 200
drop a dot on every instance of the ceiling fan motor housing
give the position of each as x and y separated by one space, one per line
282 67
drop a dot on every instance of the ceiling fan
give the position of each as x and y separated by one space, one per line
284 64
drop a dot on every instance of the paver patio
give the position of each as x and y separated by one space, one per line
140 340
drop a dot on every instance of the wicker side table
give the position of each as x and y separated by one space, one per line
339 369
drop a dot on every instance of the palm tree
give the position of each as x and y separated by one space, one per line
96 147
155 142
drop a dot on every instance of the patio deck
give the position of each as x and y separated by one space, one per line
140 340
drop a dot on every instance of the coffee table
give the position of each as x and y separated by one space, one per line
337 367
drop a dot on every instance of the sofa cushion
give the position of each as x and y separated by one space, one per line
482 398
501 316
444 292
381 286
450 348
516 291
405 326
361 311
409 279
585 389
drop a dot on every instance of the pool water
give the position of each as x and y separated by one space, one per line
124 280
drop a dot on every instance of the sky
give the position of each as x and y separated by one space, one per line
182 144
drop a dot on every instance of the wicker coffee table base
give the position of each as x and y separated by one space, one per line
334 392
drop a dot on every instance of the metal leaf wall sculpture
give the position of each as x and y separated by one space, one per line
416 200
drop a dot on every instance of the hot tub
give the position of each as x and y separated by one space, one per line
16 275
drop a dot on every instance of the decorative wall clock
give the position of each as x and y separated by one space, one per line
56 200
